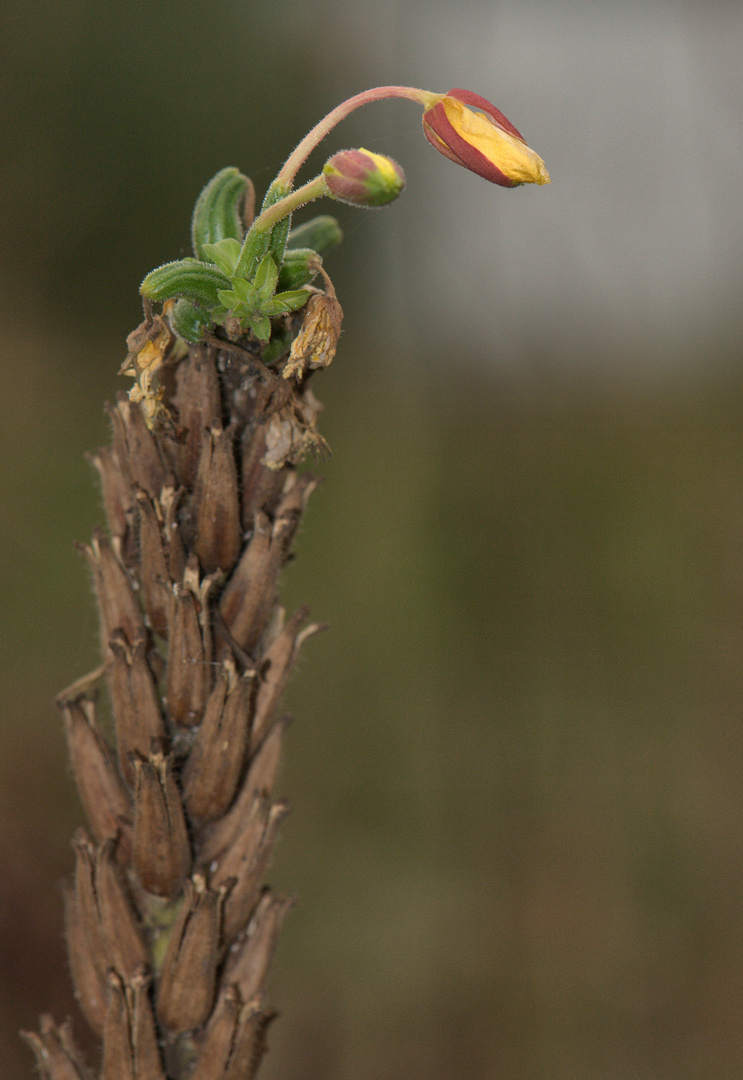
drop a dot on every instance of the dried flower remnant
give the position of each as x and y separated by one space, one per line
169 922
148 347
315 344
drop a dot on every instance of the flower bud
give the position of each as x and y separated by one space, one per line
361 178
484 142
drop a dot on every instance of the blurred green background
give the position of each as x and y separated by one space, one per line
516 760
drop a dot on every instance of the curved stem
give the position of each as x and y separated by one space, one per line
319 131
313 189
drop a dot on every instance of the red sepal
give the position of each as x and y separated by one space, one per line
470 98
458 149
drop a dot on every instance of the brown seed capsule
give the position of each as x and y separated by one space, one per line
235 1040
110 925
87 978
189 971
258 781
261 486
106 801
216 1046
250 592
130 1050
242 898
197 400
187 664
218 532
119 925
171 534
117 496
56 1054
248 961
250 1043
147 1063
274 672
136 448
291 431
136 709
157 594
216 760
295 496
117 603
246 844
161 851
118 1055
87 904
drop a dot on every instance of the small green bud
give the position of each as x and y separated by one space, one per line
188 321
304 244
320 233
187 278
224 254
361 178
298 268
217 214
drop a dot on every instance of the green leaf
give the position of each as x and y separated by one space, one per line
246 292
286 301
261 327
217 214
321 233
265 278
187 278
225 254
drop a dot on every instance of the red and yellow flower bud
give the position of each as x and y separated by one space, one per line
361 178
484 142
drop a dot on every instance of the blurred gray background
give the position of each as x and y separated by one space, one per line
516 763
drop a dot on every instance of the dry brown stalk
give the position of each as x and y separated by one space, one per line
170 926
